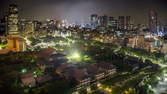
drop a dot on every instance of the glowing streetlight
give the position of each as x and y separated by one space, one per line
108 89
24 70
88 89
76 55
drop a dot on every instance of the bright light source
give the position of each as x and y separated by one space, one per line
76 55
98 85
23 70
88 89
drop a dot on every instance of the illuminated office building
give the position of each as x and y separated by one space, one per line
153 20
94 20
121 22
14 41
103 20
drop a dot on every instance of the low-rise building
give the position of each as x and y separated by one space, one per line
50 59
86 74
43 79
108 67
28 80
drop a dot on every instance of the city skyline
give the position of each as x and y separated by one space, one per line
80 11
109 55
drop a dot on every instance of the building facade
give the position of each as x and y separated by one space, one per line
15 42
121 22
153 17
94 20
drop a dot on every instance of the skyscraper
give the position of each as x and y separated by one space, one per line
110 20
29 27
128 23
12 20
124 22
113 23
94 20
121 22
2 26
103 20
14 41
153 17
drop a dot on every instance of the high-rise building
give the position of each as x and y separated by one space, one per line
110 20
94 20
113 23
52 25
127 22
153 17
29 27
2 26
22 24
165 27
121 22
12 20
37 25
124 22
14 41
103 20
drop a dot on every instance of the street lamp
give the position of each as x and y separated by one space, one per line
76 55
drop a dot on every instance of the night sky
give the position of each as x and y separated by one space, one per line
80 10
